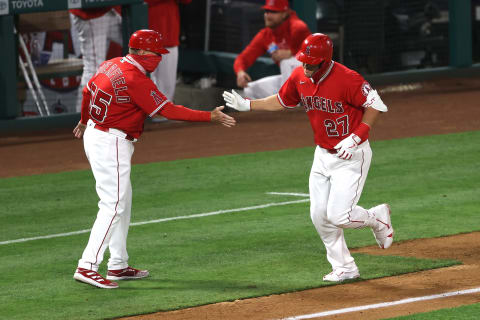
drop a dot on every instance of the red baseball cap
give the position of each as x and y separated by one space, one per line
276 5
147 40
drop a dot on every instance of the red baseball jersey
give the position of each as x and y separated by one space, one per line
334 103
121 96
164 17
289 35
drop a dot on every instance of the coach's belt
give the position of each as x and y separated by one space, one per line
116 132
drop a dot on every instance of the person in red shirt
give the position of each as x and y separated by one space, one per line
164 17
116 102
93 29
281 38
341 107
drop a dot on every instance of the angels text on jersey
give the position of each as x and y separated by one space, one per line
321 104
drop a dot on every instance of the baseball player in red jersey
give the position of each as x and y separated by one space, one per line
164 17
116 102
342 107
94 28
281 38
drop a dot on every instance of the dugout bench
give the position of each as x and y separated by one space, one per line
20 15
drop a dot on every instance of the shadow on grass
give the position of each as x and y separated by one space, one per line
220 286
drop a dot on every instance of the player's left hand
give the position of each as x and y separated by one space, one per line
79 130
220 117
346 148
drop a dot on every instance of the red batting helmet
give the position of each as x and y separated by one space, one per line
316 48
276 5
147 40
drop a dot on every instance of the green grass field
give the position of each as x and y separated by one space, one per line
246 252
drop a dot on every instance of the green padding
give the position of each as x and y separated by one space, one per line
8 65
460 33
32 124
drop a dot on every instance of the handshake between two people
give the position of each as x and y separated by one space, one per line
232 100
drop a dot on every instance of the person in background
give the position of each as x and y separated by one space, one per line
281 38
164 17
94 29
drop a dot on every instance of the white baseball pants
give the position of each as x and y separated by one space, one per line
335 188
268 86
94 38
110 159
165 75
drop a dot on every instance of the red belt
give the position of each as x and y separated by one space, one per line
332 151
98 127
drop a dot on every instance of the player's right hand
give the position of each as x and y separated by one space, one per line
218 116
79 130
243 79
235 101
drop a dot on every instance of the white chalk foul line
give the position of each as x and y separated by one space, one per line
383 304
193 216
290 194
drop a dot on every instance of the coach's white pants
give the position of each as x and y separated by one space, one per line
93 37
268 86
165 75
110 160
335 188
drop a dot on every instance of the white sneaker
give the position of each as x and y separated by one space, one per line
383 231
339 276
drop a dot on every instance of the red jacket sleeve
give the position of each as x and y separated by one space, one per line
86 97
146 96
251 53
178 112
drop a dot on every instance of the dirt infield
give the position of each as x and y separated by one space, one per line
443 106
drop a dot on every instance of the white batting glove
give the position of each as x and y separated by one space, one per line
346 148
235 101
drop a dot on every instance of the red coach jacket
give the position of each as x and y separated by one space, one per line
289 35
164 17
